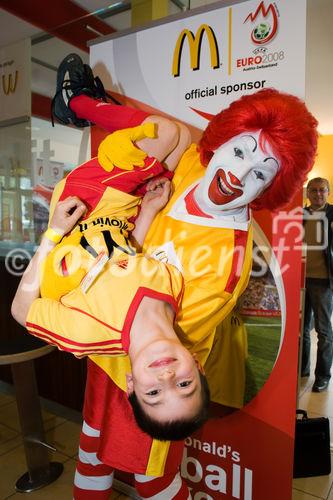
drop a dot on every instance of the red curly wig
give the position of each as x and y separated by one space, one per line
287 126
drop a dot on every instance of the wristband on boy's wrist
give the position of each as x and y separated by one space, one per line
53 235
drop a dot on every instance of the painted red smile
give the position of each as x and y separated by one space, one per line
221 191
162 362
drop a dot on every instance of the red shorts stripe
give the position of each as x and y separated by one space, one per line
150 488
159 487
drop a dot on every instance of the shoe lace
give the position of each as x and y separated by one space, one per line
101 92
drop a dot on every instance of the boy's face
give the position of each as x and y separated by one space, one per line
239 171
166 381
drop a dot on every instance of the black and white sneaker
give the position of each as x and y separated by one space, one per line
75 78
95 88
69 77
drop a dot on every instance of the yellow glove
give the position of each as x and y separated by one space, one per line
118 150
53 284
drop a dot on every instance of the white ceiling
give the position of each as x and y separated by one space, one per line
14 29
319 69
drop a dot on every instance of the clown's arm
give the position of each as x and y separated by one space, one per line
66 215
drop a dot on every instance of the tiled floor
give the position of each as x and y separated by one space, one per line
63 432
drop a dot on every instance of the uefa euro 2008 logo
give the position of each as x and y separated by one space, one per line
266 26
261 32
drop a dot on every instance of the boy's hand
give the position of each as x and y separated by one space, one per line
157 195
118 150
66 214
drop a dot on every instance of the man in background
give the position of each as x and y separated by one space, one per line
318 217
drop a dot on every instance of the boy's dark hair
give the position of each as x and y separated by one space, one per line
172 430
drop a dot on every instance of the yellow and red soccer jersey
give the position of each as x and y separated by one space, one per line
89 181
112 199
99 321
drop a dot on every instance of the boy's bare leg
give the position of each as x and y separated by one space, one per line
184 140
173 138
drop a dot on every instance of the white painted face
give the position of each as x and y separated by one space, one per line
239 171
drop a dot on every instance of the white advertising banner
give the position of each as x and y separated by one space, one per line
210 59
15 82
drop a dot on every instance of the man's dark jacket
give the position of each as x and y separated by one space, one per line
329 249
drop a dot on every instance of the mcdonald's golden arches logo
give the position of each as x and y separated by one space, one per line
194 42
9 83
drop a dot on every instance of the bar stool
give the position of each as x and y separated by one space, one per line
20 354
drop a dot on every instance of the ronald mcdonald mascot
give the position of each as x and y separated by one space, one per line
254 154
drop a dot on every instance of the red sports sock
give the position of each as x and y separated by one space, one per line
108 116
93 479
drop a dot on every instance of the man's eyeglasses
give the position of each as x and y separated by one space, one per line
319 190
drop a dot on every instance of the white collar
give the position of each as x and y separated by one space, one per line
181 210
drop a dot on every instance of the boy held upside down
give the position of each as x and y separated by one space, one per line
129 309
